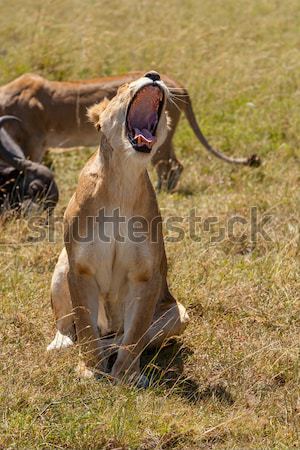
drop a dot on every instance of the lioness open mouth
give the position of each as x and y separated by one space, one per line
143 115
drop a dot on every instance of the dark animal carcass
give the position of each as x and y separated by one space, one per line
24 184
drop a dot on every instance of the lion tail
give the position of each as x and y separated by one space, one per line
183 101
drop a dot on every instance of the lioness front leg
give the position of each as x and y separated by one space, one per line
84 292
139 311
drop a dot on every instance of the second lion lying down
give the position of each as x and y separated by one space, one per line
111 294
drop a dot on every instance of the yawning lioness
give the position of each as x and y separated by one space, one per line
111 285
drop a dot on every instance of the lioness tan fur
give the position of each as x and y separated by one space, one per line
113 288
53 114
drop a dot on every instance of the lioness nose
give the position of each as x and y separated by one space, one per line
154 76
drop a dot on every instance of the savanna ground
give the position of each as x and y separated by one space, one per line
232 381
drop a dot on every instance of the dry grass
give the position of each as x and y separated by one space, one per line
239 387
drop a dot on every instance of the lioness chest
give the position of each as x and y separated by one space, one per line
116 259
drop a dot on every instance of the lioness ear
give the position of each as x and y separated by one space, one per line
95 111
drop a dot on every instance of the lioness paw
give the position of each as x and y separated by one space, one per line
60 341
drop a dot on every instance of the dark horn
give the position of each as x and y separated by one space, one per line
5 119
10 151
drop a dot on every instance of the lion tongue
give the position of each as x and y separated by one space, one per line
144 137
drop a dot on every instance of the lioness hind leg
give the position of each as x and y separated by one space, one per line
170 321
167 323
62 306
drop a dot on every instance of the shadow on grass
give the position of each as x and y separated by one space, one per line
184 191
164 368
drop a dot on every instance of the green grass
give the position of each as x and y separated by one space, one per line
235 382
